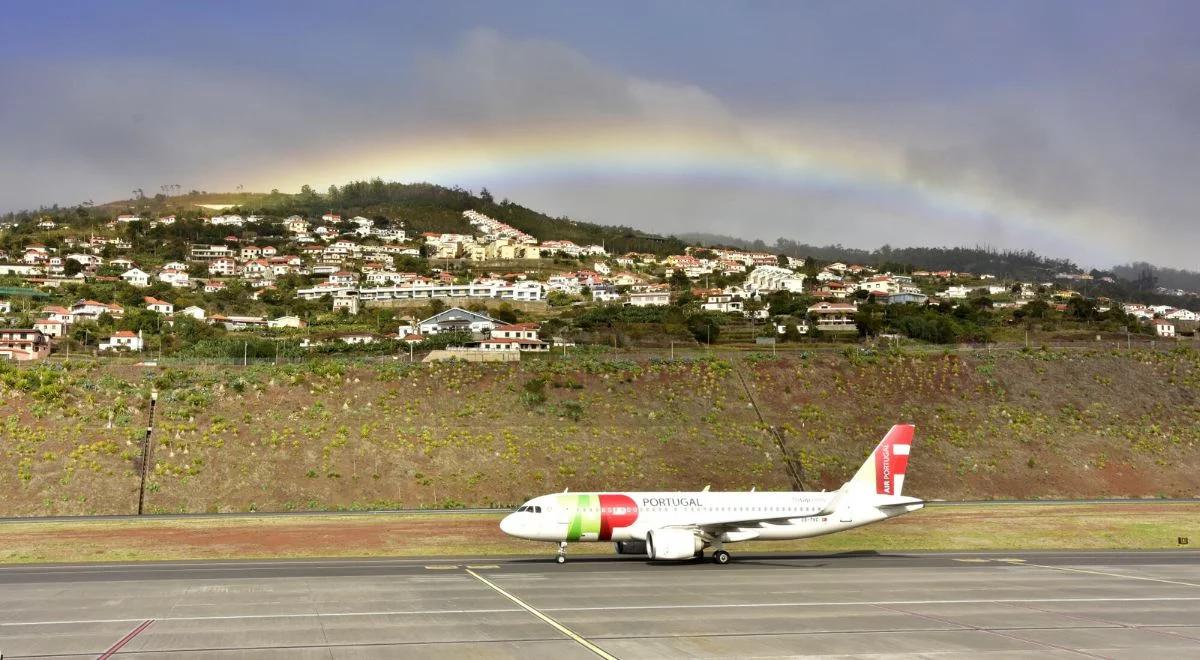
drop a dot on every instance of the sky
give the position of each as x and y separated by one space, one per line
1066 127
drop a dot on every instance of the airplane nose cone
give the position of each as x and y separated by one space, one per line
509 525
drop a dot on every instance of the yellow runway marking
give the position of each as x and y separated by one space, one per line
554 624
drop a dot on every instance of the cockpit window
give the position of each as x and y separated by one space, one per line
529 509
537 509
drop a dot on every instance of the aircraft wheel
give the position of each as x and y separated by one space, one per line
562 559
721 557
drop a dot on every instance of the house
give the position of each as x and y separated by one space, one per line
126 218
834 317
136 277
160 306
356 338
91 309
512 344
720 302
213 286
605 293
195 312
210 252
296 224
905 297
1163 327
51 327
176 278
123 340
516 331
286 322
23 344
411 338
223 266
650 296
239 322
58 314
455 319
346 301
774 278
1182 315
343 278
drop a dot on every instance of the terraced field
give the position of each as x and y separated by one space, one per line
326 435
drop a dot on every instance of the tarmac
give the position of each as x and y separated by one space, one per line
855 605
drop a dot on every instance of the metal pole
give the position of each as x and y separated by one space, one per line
245 353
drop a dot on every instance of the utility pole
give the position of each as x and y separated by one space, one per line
146 453
245 353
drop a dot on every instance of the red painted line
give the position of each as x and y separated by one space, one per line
125 640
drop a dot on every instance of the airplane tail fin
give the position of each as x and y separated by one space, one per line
883 472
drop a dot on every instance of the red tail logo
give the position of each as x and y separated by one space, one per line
891 458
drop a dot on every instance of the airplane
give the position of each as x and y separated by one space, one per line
681 525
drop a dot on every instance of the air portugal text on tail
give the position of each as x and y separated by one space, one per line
680 525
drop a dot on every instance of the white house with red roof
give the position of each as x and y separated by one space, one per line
136 277
161 306
516 331
123 340
834 316
51 327
92 309
1164 328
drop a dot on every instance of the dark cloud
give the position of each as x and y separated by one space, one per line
1048 130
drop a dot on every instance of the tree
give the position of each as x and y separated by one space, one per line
71 268
679 280
485 195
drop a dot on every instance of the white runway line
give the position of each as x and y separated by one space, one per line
1118 575
554 624
847 603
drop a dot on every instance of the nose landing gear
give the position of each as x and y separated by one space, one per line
562 553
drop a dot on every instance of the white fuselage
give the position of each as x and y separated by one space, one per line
741 516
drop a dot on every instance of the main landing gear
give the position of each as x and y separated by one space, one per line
721 557
562 553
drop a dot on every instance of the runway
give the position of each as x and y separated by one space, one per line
1023 604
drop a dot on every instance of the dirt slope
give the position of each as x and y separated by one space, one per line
327 435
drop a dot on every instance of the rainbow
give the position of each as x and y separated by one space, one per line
542 153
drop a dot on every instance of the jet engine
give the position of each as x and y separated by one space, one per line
672 544
631 547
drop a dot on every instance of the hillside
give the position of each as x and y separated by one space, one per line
1001 263
353 435
422 207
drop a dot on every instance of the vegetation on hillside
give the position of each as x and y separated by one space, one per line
326 434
